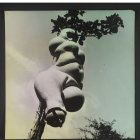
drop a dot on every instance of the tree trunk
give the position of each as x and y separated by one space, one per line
37 131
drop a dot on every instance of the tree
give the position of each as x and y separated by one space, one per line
100 130
84 29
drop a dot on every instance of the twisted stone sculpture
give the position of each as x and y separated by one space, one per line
59 89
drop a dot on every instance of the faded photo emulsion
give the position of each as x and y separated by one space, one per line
70 74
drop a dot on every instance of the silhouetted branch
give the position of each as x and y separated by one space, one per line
83 29
101 130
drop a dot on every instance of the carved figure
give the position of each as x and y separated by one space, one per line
60 87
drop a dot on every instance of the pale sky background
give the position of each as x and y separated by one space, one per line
108 82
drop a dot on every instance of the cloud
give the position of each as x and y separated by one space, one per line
27 63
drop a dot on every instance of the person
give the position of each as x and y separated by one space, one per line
59 88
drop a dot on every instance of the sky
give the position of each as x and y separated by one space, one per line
108 81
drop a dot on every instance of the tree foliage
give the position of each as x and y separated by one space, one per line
100 130
83 29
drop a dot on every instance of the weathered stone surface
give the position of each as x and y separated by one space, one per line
60 87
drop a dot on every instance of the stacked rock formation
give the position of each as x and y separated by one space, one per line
59 88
